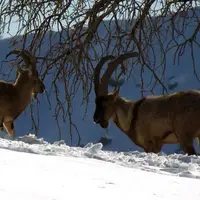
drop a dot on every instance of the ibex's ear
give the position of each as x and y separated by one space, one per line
115 94
19 71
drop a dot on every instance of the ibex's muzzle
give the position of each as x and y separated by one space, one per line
39 87
103 123
96 121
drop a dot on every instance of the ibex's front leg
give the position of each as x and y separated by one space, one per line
9 126
157 146
1 124
153 146
149 147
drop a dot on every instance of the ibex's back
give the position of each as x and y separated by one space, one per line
176 115
170 110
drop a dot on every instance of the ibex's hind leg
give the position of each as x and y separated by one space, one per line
1 127
157 147
9 126
186 143
1 124
189 150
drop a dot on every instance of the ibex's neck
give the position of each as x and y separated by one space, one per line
23 87
21 81
123 114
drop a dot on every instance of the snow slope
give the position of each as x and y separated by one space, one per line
173 164
60 172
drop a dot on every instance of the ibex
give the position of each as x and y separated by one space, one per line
149 122
14 97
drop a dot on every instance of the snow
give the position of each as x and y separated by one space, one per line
35 169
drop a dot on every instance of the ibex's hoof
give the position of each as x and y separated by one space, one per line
10 137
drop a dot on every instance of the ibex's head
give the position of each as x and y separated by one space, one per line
105 101
38 86
30 71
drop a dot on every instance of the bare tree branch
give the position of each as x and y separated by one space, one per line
70 37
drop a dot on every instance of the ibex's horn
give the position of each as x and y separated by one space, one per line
29 59
113 66
97 71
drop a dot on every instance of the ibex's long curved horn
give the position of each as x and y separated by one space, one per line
21 54
29 60
113 66
97 71
32 58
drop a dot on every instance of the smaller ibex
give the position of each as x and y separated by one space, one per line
14 97
149 122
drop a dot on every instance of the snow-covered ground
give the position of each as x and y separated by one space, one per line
32 169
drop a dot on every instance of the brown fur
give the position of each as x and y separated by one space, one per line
150 122
155 120
14 97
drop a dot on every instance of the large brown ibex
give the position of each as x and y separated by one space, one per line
14 97
149 122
